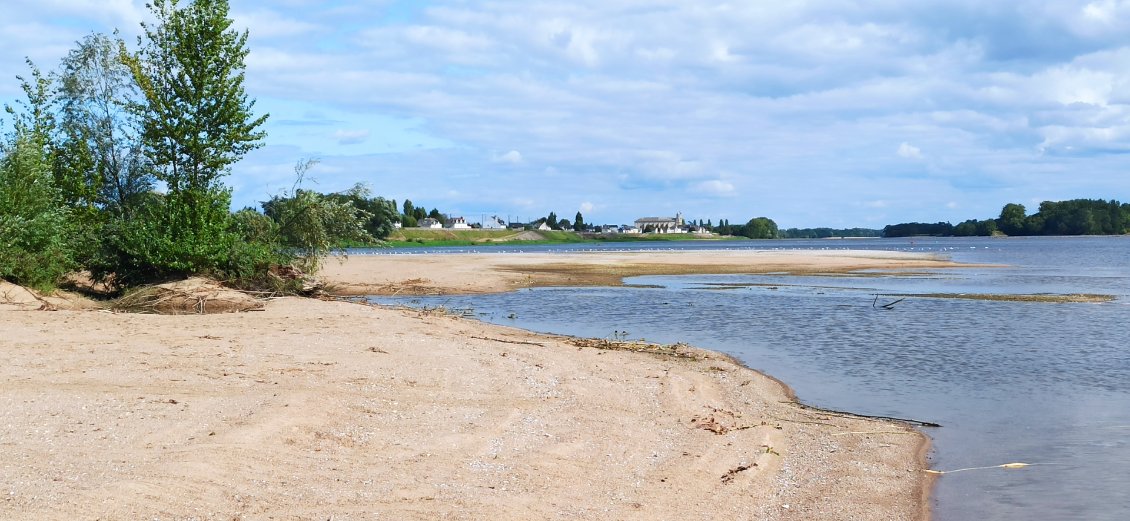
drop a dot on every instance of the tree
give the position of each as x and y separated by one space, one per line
1011 220
102 163
381 213
35 225
579 223
761 228
314 225
551 220
196 121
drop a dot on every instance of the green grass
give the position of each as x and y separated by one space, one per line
417 237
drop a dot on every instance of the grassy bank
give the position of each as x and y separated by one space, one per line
416 237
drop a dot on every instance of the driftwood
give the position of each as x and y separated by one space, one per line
503 340
888 306
846 414
192 296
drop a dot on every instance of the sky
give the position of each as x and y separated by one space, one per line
833 113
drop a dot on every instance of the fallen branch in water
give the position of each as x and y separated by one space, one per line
919 423
503 340
872 432
888 306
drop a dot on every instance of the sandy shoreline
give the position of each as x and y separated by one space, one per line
313 409
491 273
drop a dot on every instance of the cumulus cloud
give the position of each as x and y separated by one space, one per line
1027 97
586 207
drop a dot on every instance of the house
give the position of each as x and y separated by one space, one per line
428 222
493 223
458 223
674 224
542 226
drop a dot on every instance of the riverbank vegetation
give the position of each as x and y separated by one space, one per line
115 164
1073 217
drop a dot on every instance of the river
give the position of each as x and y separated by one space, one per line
1039 383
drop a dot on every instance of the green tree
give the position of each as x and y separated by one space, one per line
1011 220
551 220
761 228
313 225
381 213
196 121
102 163
35 225
579 223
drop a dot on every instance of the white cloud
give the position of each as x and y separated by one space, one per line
909 151
715 187
451 40
586 207
265 24
649 101
351 137
513 157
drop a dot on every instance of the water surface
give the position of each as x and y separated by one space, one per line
1038 383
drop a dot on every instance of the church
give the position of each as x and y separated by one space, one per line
674 224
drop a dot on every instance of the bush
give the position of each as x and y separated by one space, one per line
34 226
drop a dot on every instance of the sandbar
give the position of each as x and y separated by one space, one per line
315 409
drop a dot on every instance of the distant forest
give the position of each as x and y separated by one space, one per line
1074 217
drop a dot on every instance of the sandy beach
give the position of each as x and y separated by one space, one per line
314 409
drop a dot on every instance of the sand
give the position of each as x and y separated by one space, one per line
315 409
490 273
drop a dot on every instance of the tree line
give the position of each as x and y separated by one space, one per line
1073 217
115 164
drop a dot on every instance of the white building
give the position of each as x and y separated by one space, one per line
458 223
493 223
428 222
674 224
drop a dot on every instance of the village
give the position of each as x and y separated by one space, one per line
643 225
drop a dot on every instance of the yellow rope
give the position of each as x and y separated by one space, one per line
1005 466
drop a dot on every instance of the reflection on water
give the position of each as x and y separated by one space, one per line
1010 382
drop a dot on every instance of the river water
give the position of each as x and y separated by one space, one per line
1039 383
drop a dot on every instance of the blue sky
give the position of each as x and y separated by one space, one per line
815 113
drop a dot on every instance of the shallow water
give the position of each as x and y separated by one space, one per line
1038 383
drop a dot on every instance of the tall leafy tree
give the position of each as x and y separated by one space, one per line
579 223
35 225
196 121
102 163
1012 219
761 228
